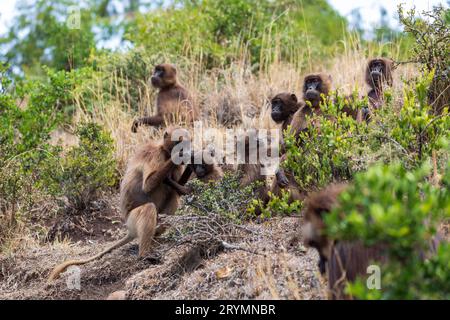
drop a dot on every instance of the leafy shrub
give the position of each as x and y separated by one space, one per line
86 170
339 146
279 205
335 147
23 151
402 209
431 49
330 149
224 197
417 129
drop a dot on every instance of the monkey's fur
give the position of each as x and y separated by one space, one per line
283 107
173 103
251 173
143 196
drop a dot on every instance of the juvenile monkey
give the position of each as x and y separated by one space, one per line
173 102
252 172
205 171
143 195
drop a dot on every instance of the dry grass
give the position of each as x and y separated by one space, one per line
231 94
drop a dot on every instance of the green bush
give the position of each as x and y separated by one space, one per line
431 48
417 129
24 133
279 204
217 32
87 170
330 149
401 209
340 146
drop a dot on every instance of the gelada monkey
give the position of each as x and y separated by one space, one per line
173 102
143 195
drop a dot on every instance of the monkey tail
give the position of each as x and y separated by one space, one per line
63 266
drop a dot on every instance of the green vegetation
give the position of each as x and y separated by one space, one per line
85 171
223 197
400 208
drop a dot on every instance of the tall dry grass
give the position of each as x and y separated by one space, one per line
235 91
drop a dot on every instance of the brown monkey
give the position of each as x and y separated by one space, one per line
206 171
316 89
143 195
378 72
173 101
343 260
316 204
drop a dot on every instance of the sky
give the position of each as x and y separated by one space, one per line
370 9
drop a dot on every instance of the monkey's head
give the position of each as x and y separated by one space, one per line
173 136
314 86
379 70
202 162
318 204
283 105
164 76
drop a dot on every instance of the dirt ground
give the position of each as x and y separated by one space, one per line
265 261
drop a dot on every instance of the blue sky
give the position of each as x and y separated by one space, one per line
370 9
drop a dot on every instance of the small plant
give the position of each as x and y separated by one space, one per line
224 197
279 205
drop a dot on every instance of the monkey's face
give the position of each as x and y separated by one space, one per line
377 70
283 105
164 76
200 170
312 90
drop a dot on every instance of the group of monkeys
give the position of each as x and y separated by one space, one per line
153 183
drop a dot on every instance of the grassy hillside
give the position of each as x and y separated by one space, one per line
65 139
